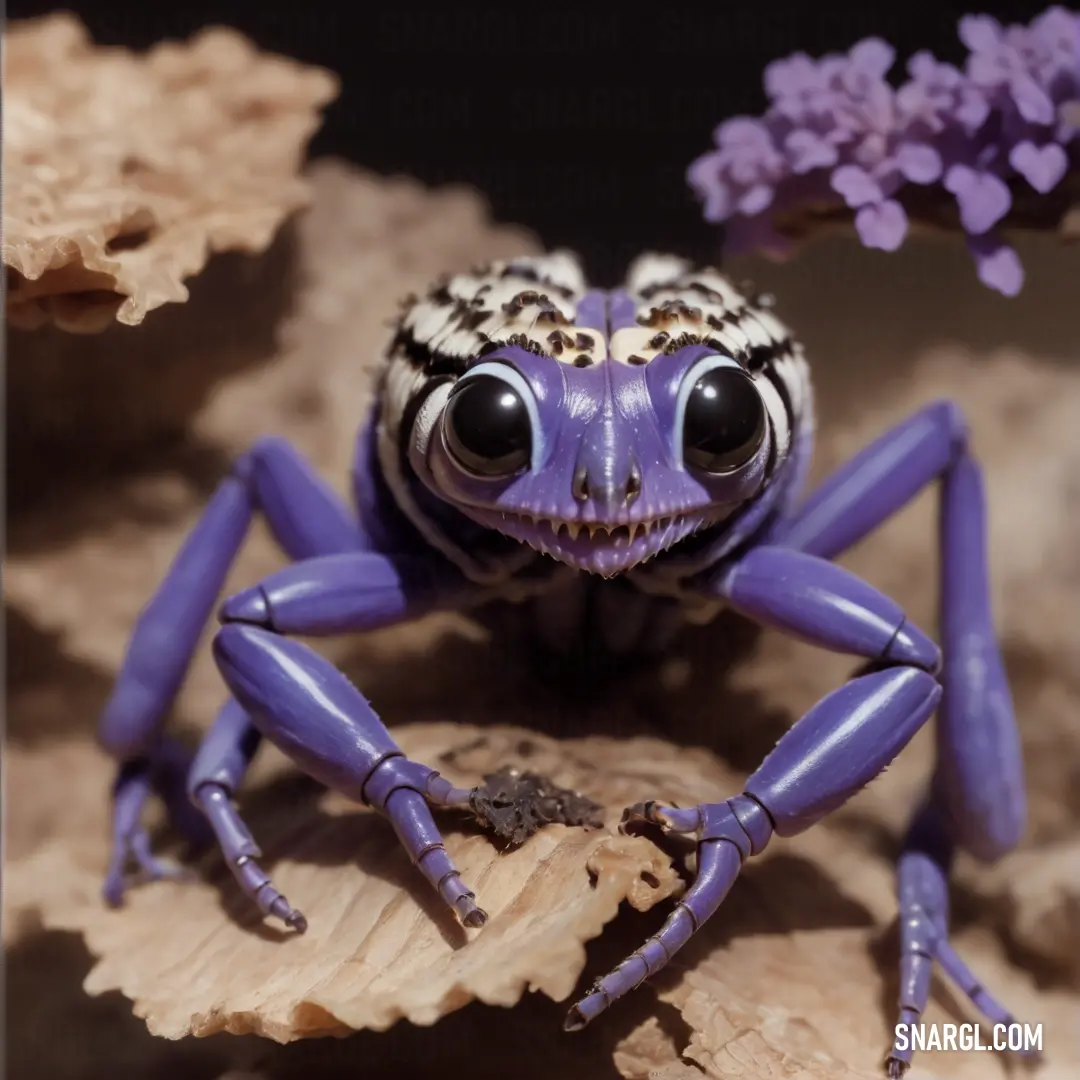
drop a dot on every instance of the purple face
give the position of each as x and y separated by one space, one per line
600 467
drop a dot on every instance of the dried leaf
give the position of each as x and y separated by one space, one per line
379 947
124 173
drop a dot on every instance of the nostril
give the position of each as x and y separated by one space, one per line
633 485
580 486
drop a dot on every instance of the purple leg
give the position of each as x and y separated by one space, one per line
977 799
833 751
307 708
222 759
306 518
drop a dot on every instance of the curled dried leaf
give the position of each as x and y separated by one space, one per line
124 173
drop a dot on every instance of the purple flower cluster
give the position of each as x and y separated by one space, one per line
837 131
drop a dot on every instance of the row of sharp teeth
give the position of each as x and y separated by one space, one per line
573 529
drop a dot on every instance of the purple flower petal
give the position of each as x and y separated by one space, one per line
972 110
983 198
742 131
997 264
980 33
1032 101
1041 166
918 162
872 57
926 68
989 69
855 185
789 76
882 225
704 177
808 151
1058 28
836 125
756 199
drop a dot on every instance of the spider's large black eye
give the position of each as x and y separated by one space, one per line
724 421
487 427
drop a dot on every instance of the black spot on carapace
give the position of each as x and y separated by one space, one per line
559 340
422 356
668 311
523 341
759 356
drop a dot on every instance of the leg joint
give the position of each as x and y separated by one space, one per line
250 606
243 467
910 647
951 418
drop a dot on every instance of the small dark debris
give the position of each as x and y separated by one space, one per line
513 804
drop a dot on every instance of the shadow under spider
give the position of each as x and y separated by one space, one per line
498 680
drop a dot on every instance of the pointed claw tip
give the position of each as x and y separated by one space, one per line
575 1020
297 921
639 813
474 918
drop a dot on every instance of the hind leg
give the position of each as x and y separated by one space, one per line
977 800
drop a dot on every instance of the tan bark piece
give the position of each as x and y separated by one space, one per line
795 976
124 173
379 947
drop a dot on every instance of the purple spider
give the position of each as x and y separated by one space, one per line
643 450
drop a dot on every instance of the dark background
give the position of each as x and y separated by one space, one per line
578 120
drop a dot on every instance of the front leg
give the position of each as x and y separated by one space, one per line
306 707
831 753
306 518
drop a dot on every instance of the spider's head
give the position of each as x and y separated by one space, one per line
600 467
